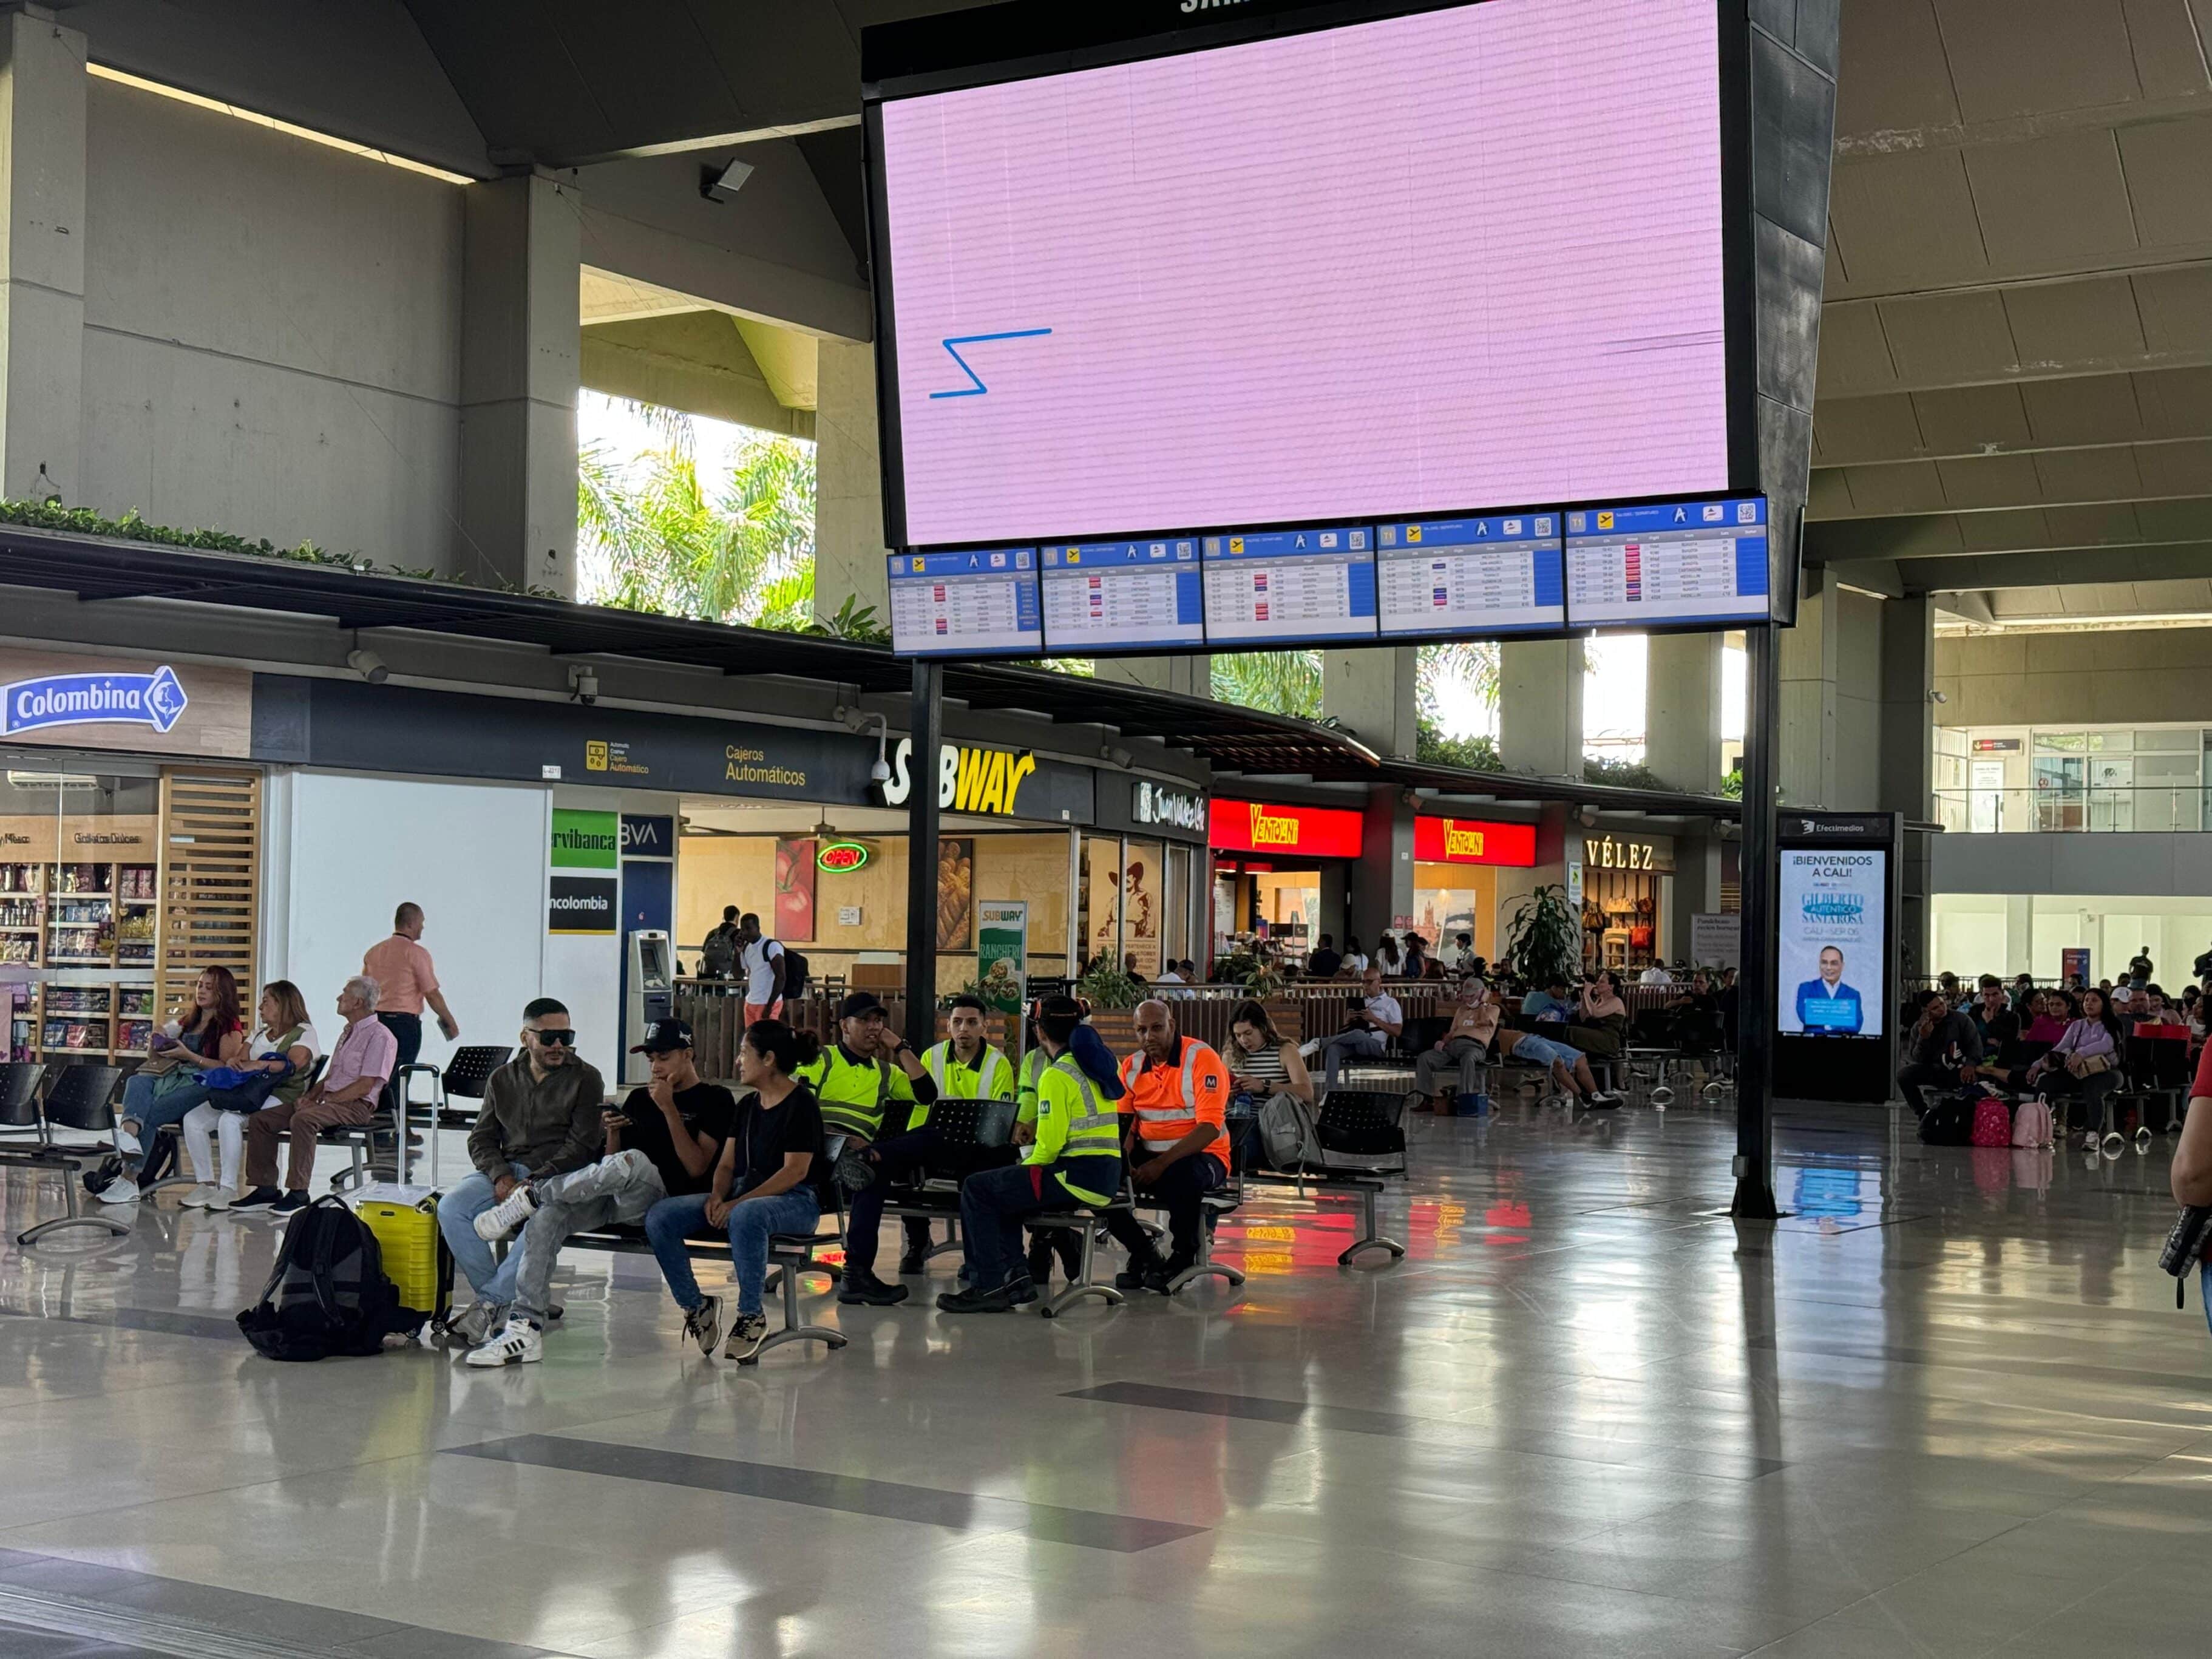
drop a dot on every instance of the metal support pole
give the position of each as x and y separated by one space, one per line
926 723
1754 1121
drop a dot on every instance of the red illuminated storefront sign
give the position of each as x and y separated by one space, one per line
1474 840
1250 826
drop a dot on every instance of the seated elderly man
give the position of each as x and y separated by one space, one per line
344 1097
1570 1070
1461 1050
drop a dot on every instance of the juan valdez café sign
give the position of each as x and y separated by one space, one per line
1250 826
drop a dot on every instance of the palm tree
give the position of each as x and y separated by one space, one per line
655 537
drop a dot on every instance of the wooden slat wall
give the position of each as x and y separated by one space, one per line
211 880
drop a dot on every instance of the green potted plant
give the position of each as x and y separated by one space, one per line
1544 939
1111 992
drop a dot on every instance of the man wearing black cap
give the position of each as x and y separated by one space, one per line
661 1143
859 1076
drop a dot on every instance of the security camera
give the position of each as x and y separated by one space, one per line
368 665
583 684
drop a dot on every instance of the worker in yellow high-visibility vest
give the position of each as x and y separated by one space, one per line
1075 1161
965 1066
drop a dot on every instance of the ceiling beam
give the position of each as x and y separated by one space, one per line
2073 566
2089 531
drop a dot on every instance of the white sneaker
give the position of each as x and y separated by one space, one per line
519 1344
505 1219
201 1198
123 1190
473 1325
218 1198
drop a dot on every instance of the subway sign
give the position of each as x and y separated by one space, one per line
1251 826
988 782
1474 840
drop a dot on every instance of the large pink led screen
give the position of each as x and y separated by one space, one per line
1427 264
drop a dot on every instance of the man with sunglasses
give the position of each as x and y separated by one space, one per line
540 1119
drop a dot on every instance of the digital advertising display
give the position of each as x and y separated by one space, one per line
1265 588
1668 562
1458 576
1830 960
1122 596
980 603
1404 267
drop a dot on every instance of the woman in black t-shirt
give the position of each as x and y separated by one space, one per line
765 1182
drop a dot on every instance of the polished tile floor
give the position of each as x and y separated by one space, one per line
1947 1409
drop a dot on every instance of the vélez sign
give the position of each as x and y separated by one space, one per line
156 700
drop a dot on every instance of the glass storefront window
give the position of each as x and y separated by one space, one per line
79 907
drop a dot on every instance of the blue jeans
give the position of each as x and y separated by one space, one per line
1542 1051
458 1210
151 1115
671 1221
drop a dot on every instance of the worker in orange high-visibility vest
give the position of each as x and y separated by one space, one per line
1174 1141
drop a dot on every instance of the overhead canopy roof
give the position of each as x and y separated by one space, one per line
1232 739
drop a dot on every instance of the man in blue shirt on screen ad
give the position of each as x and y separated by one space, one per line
1826 1007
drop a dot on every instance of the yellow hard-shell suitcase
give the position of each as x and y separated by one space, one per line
416 1258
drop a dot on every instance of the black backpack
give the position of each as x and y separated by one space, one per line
718 953
1949 1121
795 973
328 1294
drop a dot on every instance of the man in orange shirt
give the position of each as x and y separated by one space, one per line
402 968
1176 1143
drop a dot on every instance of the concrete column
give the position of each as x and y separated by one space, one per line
1908 725
1374 693
42 164
849 553
1193 676
521 346
1694 890
1682 710
1805 766
1540 707
1382 880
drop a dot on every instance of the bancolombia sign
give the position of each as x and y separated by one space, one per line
984 780
156 700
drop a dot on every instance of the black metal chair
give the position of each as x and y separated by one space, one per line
464 1076
961 1125
80 1098
19 1100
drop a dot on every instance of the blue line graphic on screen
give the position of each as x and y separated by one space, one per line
952 350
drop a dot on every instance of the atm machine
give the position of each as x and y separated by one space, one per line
652 980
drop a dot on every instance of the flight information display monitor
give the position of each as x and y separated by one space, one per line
1449 577
980 603
1290 586
1673 562
1103 597
1176 287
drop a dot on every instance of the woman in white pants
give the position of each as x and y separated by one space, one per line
285 1035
